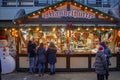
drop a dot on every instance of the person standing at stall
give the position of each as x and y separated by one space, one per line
29 54
34 53
100 63
51 55
32 56
41 59
108 54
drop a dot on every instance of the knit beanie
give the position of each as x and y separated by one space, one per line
101 48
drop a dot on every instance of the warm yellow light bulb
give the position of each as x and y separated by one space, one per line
39 12
86 8
49 7
16 35
75 4
29 29
111 19
54 29
96 12
78 29
80 6
5 29
87 29
21 29
13 29
37 29
111 29
95 29
91 10
33 14
16 31
55 6
60 4
44 9
40 31
103 29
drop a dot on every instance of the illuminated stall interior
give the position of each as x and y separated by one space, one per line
78 39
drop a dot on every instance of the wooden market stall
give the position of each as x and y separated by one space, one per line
75 28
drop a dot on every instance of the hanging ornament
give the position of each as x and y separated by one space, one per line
58 33
40 34
70 26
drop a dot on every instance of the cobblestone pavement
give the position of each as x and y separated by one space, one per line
115 75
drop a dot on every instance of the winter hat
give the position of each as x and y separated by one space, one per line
101 48
103 44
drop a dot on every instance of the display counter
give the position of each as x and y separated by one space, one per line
69 62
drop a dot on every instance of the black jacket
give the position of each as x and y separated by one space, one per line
32 50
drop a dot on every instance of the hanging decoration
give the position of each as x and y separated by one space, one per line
70 26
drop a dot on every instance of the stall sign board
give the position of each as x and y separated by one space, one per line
71 13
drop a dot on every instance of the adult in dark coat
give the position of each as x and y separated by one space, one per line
41 59
108 54
51 55
32 56
100 64
29 47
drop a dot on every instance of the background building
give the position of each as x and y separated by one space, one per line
9 8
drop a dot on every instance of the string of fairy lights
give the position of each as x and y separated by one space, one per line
15 31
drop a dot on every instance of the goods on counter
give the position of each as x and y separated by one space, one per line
69 51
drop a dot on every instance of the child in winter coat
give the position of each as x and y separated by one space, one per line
100 64
108 54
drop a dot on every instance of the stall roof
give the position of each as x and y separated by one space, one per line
36 14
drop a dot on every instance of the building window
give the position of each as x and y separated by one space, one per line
7 3
42 2
4 2
99 3
81 1
47 2
91 1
